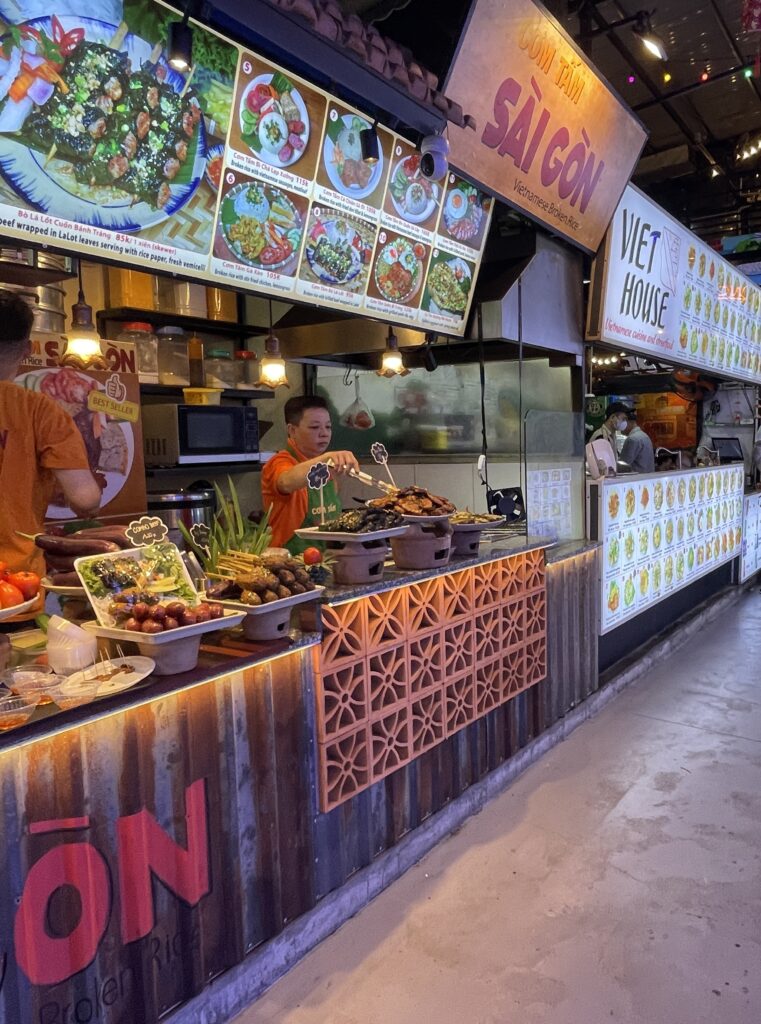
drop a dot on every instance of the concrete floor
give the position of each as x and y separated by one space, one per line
619 879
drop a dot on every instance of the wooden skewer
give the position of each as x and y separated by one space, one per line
186 86
119 36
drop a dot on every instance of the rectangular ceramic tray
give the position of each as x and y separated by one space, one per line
274 606
315 533
100 604
230 618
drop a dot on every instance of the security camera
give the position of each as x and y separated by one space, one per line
434 163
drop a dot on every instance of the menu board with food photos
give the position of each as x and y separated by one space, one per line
662 291
235 171
662 532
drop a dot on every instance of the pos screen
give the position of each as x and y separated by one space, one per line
729 449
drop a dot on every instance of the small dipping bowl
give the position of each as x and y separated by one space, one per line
28 677
14 711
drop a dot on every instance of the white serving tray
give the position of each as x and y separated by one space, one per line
316 534
17 609
231 618
274 606
99 604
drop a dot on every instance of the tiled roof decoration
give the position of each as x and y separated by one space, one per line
383 55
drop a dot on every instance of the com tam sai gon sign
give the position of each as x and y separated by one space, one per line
552 139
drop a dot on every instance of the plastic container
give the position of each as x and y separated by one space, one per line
202 396
221 305
129 288
220 369
146 344
248 371
163 294
189 298
174 367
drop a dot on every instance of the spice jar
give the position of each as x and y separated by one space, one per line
173 357
220 369
146 349
248 363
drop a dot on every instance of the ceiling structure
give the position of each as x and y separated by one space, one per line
696 126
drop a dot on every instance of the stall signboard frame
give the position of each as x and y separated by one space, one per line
552 138
260 184
750 558
659 290
660 533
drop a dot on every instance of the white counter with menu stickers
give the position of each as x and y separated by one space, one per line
659 533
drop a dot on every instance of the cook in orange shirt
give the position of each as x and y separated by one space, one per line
284 477
39 447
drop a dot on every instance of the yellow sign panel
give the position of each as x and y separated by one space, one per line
551 138
97 401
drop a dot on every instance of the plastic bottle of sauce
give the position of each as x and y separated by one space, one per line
195 362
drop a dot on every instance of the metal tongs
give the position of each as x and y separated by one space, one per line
365 478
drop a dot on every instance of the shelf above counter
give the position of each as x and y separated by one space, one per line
170 390
207 467
190 324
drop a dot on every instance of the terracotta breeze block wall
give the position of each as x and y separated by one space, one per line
400 671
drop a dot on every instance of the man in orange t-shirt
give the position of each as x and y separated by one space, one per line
40 447
284 477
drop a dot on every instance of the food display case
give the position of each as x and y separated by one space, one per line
659 533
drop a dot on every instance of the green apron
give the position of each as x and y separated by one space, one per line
296 545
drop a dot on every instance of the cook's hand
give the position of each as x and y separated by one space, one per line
342 462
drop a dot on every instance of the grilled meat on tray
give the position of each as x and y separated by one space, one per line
414 501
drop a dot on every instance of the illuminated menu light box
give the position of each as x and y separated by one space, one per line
241 174
660 290
661 533
750 559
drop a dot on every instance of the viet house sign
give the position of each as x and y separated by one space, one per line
552 139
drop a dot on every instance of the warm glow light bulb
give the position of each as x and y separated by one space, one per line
392 361
272 371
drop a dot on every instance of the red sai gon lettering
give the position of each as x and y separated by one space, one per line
523 132
144 851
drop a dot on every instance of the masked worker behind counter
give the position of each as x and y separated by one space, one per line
40 447
284 478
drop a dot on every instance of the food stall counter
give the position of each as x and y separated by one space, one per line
662 532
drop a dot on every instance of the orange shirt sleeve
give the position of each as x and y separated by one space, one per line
288 510
59 443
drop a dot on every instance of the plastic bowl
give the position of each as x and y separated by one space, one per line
202 396
14 711
27 677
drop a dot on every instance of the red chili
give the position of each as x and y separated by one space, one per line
67 41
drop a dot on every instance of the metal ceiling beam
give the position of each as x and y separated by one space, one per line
643 74
686 89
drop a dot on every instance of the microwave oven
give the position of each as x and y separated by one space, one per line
185 435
